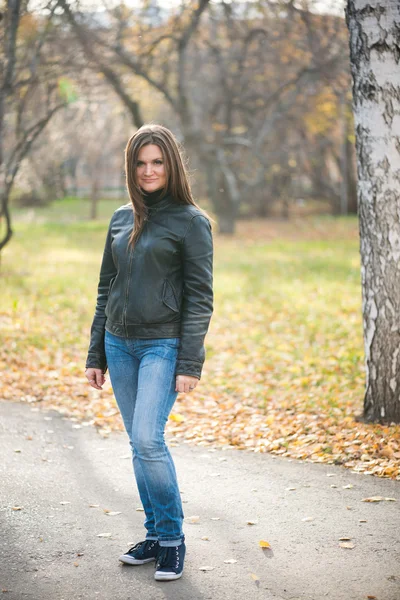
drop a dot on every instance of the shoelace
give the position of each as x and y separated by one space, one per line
142 545
167 555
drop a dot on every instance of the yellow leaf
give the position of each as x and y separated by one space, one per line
176 417
264 544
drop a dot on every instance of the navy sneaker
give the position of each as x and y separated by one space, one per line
169 564
141 553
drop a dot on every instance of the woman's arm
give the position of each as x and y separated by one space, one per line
96 354
197 305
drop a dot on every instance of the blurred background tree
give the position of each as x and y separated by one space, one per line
258 92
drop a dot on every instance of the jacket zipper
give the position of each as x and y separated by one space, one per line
129 280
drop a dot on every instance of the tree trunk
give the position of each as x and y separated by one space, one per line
351 178
374 54
225 209
94 197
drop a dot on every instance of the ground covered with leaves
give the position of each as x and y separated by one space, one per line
284 371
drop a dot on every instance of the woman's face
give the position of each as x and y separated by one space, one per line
150 169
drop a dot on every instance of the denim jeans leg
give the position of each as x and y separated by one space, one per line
155 398
124 369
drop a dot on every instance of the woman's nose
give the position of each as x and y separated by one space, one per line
148 169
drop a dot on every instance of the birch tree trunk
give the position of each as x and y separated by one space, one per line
374 27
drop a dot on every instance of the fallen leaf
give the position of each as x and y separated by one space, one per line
378 499
94 505
112 513
252 522
206 538
206 568
362 520
17 507
348 486
215 519
76 564
176 417
230 561
140 508
264 544
255 579
17 450
373 499
308 519
349 545
64 502
344 538
104 535
193 519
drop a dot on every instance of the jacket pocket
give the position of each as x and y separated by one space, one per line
169 297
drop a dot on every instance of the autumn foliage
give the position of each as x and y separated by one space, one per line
284 370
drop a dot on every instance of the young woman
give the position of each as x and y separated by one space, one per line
154 305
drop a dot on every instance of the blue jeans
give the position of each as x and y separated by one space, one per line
142 374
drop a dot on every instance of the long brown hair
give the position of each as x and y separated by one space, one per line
177 177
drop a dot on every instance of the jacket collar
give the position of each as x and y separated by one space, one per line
166 201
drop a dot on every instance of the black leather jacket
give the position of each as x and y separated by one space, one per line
162 288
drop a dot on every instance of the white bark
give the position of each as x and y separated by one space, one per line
374 27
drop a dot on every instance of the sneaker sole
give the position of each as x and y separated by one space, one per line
160 576
129 560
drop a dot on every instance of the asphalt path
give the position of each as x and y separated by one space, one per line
58 480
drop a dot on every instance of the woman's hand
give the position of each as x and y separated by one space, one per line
185 383
95 378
